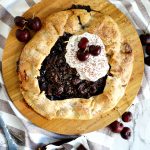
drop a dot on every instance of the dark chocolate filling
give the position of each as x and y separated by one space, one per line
87 8
60 81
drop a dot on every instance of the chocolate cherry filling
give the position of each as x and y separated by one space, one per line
60 81
87 8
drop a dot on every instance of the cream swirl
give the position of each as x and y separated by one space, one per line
95 67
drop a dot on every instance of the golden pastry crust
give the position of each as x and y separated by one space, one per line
118 50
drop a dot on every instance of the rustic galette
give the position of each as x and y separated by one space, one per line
76 67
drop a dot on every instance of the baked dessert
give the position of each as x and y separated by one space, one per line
57 81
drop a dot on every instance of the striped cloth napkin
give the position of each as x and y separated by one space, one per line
26 135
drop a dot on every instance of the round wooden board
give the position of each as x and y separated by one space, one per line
62 126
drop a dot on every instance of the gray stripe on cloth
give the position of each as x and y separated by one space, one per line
30 2
147 77
3 148
5 107
143 10
17 135
134 16
6 17
67 146
93 146
2 41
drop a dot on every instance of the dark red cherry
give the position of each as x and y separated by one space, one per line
93 89
127 116
126 133
145 39
116 127
83 55
81 147
83 43
34 24
147 60
148 49
23 35
43 86
20 21
94 50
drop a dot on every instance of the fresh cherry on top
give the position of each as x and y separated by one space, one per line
83 43
94 50
34 23
84 50
23 35
147 60
20 21
126 133
82 55
127 116
145 40
116 127
148 49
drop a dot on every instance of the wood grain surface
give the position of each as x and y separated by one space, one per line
13 49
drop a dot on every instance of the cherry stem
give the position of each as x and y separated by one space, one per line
25 21
23 27
66 41
33 15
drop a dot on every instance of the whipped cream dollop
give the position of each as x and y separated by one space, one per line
95 67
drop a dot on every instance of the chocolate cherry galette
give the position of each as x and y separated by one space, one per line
76 67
